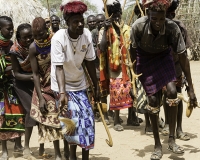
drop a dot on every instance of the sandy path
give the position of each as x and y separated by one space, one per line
132 143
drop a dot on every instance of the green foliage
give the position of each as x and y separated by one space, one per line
126 15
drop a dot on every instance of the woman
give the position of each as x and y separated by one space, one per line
11 112
23 82
43 108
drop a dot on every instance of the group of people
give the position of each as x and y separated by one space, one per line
42 76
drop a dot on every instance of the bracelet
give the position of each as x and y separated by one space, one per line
62 93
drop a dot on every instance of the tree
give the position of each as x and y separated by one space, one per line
54 6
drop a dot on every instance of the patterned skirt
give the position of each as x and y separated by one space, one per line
11 120
80 111
120 94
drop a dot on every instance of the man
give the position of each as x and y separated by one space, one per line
55 22
91 22
47 21
179 132
70 48
152 52
114 77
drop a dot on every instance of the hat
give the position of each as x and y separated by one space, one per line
73 6
157 5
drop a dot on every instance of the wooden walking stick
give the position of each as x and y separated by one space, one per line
100 106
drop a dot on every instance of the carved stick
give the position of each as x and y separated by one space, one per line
129 64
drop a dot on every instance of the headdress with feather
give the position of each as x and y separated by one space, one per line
156 5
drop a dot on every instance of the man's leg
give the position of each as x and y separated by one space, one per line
85 154
73 152
132 118
148 127
165 130
66 149
154 108
173 108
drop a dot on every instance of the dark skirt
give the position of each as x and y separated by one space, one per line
157 70
24 91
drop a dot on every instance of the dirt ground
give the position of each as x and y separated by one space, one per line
132 143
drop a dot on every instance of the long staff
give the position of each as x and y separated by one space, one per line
99 105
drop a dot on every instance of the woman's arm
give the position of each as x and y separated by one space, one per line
16 69
36 78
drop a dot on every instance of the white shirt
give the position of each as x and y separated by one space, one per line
62 53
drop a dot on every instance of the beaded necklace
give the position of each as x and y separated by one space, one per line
44 47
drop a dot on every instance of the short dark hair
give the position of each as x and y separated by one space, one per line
55 17
90 16
20 28
4 18
100 15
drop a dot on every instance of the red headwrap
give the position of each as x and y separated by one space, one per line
157 5
75 6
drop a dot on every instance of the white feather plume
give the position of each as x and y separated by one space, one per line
64 2
111 2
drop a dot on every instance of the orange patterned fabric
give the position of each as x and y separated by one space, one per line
120 94
115 58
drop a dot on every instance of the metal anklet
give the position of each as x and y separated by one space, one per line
153 110
172 102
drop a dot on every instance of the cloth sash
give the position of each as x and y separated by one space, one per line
157 70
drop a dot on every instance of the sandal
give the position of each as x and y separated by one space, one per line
118 127
156 155
176 149
165 130
45 156
183 136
